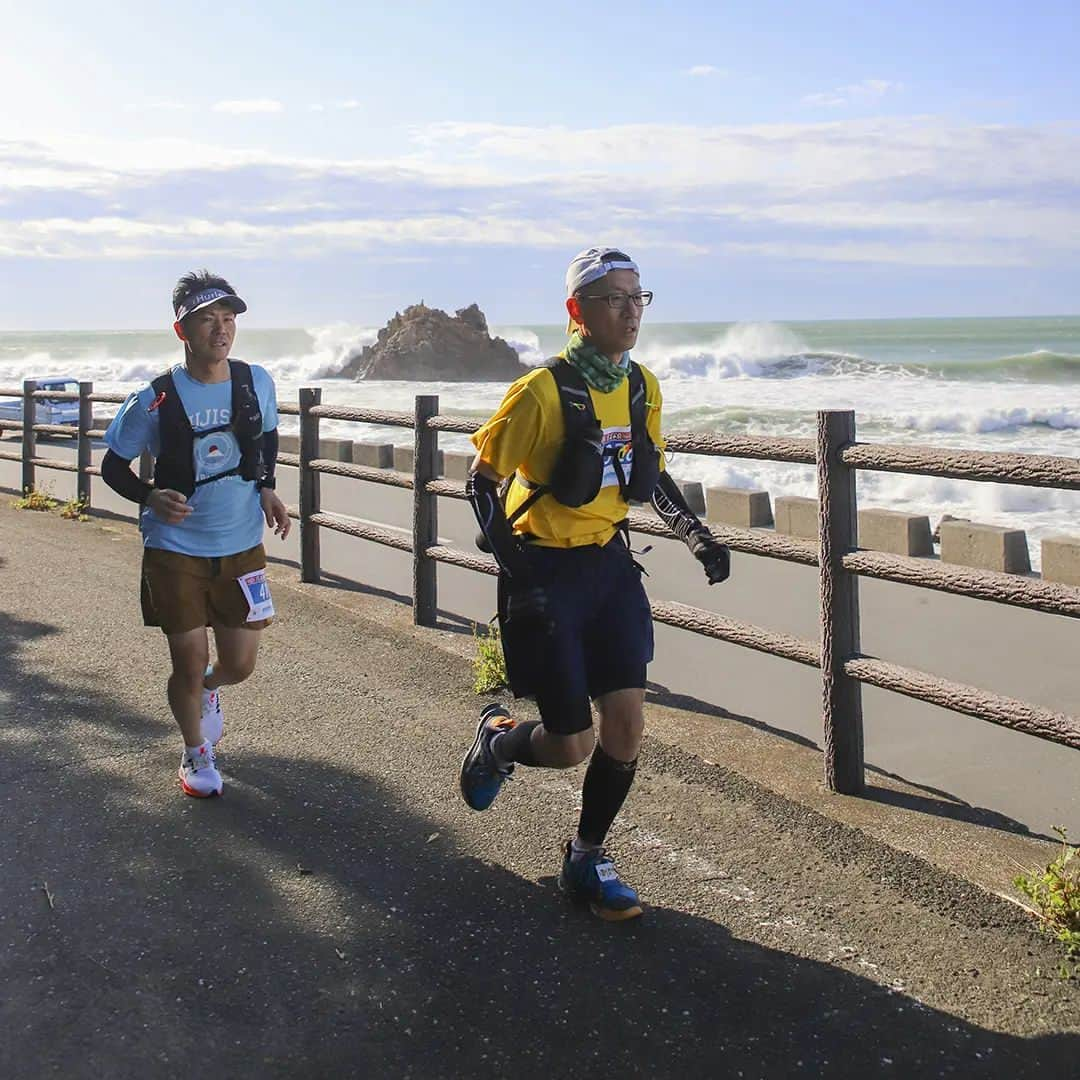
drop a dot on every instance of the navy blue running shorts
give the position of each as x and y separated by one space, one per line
600 637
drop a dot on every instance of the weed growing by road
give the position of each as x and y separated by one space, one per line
488 664
32 499
1055 894
75 510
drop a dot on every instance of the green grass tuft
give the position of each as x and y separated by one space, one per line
488 664
1055 894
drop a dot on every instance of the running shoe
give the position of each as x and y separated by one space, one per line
213 719
198 773
592 879
481 774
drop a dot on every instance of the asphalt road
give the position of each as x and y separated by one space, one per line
341 913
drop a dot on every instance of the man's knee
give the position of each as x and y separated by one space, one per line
235 669
566 751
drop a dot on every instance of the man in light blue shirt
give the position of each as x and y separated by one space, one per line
211 424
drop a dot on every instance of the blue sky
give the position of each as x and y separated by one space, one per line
760 161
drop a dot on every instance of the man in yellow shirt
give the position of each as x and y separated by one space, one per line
581 440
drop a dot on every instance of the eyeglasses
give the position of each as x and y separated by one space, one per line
618 300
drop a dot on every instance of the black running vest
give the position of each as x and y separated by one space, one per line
175 465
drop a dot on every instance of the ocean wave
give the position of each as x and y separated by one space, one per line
1042 365
985 421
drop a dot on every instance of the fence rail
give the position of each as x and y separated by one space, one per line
837 456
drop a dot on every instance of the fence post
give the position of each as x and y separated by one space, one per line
425 512
838 532
29 439
310 487
84 456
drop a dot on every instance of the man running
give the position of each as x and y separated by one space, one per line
581 440
211 424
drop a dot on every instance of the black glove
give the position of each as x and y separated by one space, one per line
529 605
712 555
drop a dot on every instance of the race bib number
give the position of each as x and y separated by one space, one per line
257 593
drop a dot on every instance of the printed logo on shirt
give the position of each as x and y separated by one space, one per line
215 453
208 418
616 441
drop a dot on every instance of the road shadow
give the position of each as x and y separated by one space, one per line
924 800
313 924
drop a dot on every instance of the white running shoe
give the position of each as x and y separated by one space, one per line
213 719
198 772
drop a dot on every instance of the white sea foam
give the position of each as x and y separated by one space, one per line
756 378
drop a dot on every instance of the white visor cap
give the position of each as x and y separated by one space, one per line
593 263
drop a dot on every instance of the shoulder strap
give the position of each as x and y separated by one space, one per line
637 402
240 373
574 396
173 468
577 411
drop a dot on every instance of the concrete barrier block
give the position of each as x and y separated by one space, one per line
987 547
456 464
373 455
289 444
694 494
894 531
335 449
403 460
1061 559
737 506
796 516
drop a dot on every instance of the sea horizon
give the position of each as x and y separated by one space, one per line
1005 383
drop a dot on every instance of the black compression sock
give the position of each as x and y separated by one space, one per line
515 746
607 783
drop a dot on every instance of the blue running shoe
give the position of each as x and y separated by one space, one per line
481 774
592 879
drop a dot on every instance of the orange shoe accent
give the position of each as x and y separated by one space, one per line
198 794
504 723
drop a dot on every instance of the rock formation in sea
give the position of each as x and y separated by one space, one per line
426 344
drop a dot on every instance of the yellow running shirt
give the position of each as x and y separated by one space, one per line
525 436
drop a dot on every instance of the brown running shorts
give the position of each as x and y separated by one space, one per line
184 592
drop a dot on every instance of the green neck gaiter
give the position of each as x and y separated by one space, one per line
597 370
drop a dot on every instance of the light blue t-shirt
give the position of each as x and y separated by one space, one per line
226 517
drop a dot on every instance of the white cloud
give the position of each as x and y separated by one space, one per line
862 93
912 191
120 237
919 254
703 71
339 106
245 106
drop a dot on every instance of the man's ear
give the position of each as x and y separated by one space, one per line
573 309
178 329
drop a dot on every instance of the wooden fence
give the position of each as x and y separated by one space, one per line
837 455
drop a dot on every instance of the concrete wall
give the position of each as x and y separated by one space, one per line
336 449
456 464
987 547
403 460
694 494
895 532
1061 559
738 506
374 455
796 516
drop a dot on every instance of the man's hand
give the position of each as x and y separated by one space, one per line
275 512
712 555
168 505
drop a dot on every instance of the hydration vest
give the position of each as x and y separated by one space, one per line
578 473
175 465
